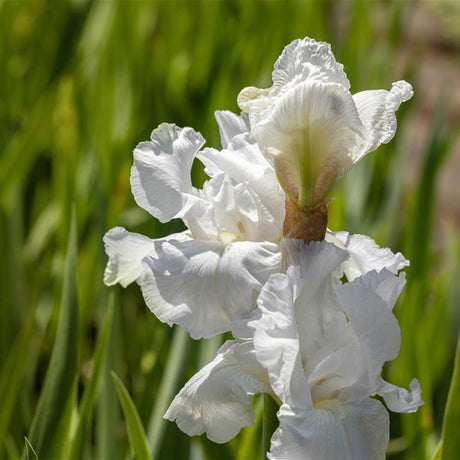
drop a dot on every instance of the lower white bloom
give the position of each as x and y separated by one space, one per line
205 277
318 346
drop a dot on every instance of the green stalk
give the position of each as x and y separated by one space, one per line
270 423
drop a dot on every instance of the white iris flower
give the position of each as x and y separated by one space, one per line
309 125
318 347
203 277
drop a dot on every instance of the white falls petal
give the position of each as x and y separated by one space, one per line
318 261
365 255
277 344
385 284
399 399
373 323
333 431
204 285
160 176
126 251
310 135
217 400
231 125
377 109
332 356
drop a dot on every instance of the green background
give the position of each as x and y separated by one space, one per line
81 83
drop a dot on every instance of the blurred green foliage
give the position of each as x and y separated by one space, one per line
81 84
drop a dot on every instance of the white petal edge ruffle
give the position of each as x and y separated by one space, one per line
373 323
399 399
365 254
126 251
160 176
333 431
204 285
217 400
376 110
306 59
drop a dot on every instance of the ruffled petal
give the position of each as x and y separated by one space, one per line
377 112
318 261
239 210
217 400
333 359
386 285
310 134
365 255
332 431
307 59
277 344
126 251
247 169
373 323
231 125
241 160
204 285
399 399
160 176
300 61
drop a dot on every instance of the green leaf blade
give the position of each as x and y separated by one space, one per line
49 432
136 433
30 451
89 396
450 440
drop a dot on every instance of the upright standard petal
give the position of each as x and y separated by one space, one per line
332 431
231 125
307 59
300 61
310 135
245 166
309 125
160 176
204 285
376 110
217 400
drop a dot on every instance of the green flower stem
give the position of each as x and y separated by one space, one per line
270 423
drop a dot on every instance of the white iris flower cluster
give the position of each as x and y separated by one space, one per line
312 321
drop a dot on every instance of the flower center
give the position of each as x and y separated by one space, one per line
228 237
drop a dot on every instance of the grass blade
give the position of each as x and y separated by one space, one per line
450 439
13 371
30 452
89 396
50 425
136 433
176 359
